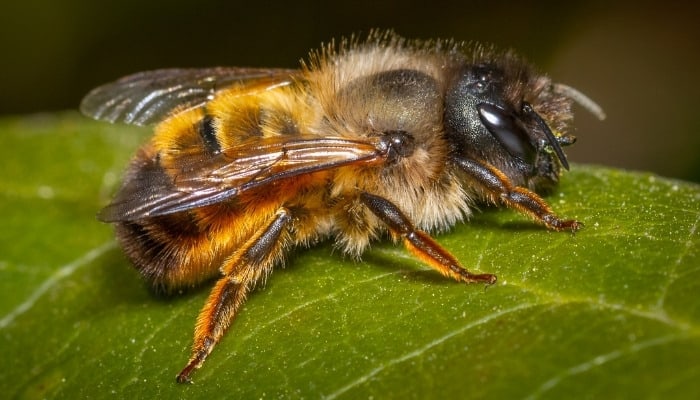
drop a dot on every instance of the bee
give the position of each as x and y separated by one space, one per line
374 136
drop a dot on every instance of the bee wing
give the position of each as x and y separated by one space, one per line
148 97
199 180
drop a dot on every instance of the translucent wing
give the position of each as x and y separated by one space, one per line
197 180
148 97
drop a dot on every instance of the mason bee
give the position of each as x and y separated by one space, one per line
367 137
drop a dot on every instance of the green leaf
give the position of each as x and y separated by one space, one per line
611 312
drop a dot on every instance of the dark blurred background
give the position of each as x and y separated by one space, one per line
638 60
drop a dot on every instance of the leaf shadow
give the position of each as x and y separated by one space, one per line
384 261
119 283
499 219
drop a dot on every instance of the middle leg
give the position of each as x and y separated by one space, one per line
419 242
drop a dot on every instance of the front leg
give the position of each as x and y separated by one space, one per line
420 243
526 201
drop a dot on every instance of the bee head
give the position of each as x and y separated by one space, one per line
492 114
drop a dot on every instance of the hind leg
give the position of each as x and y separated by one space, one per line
241 272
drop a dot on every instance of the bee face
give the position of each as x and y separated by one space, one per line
382 136
490 112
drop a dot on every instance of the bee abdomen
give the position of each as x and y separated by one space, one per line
164 253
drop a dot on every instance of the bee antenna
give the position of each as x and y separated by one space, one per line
580 98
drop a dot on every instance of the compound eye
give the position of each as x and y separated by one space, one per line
509 132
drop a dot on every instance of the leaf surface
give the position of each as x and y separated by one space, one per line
612 311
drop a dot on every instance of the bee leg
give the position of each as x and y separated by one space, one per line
420 243
242 270
519 198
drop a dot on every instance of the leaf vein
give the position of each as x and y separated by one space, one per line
329 296
417 352
61 273
599 360
673 272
